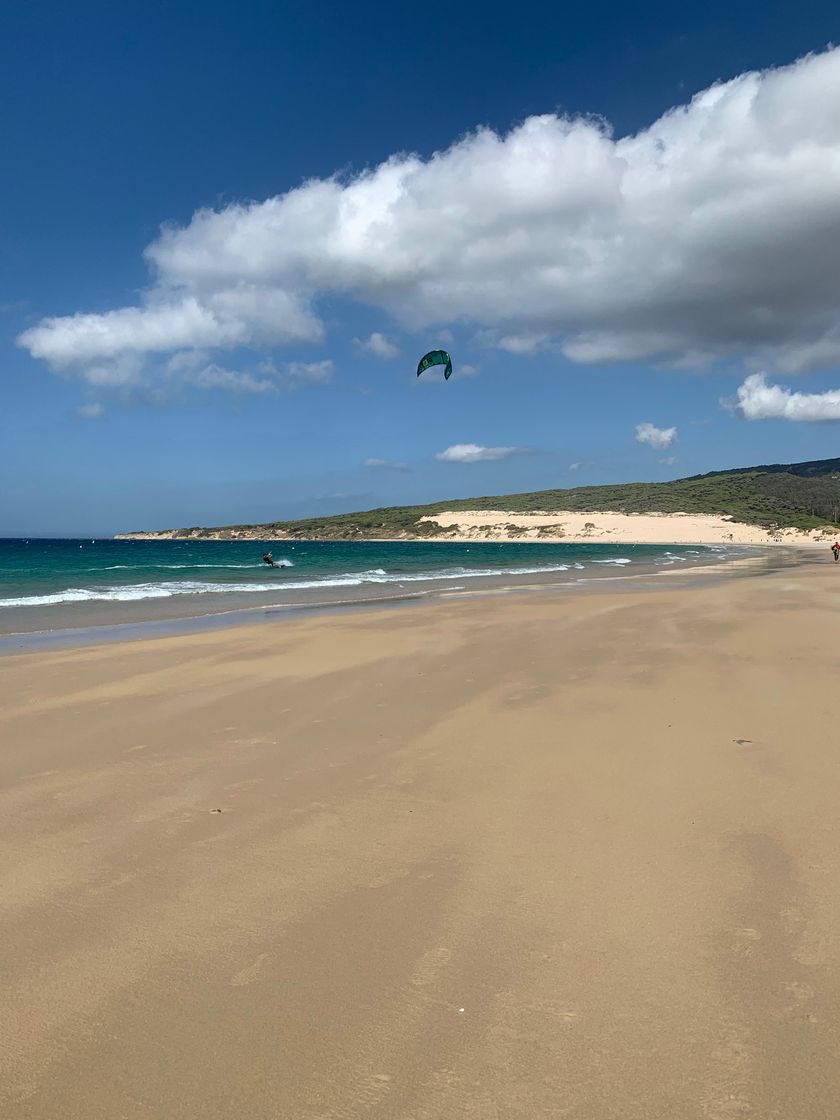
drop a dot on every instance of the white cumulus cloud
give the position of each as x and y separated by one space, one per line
378 345
709 234
759 401
219 319
658 438
474 453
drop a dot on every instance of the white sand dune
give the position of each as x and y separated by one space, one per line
619 528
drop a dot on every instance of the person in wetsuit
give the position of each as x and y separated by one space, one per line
270 560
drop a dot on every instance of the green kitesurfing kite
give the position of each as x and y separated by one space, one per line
436 358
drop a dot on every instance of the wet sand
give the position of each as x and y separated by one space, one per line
507 857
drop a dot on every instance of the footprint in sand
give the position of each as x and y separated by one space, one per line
747 933
567 1015
252 972
745 940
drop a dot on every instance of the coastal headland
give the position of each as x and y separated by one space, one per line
566 526
516 856
788 503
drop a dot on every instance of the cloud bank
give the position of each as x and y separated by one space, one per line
708 235
474 453
759 401
658 438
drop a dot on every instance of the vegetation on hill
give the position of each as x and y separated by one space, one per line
798 495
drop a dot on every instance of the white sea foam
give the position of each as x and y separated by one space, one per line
619 560
168 588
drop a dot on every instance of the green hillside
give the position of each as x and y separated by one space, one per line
796 495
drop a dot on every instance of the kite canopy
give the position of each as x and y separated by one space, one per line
436 358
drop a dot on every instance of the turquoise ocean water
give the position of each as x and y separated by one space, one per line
50 574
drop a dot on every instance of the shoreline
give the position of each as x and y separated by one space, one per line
164 618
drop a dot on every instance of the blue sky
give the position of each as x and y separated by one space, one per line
585 282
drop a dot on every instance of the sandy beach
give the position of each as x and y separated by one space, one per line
499 857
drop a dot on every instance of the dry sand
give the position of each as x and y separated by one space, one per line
512 857
620 528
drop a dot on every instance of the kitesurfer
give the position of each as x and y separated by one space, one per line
272 563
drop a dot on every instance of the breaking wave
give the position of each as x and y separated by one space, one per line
166 589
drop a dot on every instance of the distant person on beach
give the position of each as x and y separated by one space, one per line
835 548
